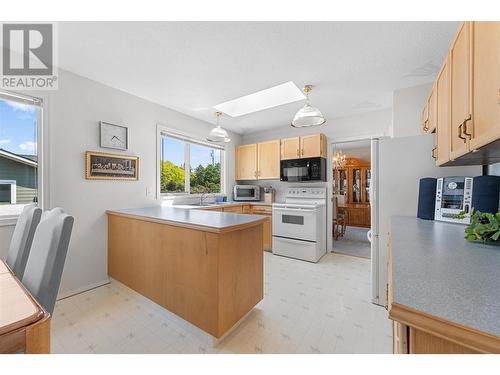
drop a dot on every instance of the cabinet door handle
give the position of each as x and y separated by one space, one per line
433 153
460 133
302 152
298 152
465 127
425 125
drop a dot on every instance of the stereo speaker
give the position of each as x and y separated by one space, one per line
486 193
426 198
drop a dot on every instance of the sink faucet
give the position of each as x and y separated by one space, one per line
202 198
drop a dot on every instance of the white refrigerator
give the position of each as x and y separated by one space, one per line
397 166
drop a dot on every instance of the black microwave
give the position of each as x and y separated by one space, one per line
307 169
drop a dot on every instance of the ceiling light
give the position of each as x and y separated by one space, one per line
339 159
272 97
218 134
308 116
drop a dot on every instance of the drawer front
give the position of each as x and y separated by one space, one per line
267 210
235 209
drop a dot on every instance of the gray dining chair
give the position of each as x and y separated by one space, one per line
45 264
20 244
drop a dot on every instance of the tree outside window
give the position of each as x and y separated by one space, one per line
187 167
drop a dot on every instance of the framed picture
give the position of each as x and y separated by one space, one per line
101 166
113 136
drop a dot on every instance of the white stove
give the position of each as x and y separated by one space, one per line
299 224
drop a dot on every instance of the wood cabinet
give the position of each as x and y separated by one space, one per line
234 209
268 224
190 271
258 161
353 182
460 91
290 148
442 151
253 209
246 162
268 160
467 94
307 146
429 113
313 146
261 161
485 123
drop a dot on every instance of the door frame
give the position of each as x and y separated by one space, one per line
374 258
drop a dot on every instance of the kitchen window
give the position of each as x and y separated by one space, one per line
189 166
20 123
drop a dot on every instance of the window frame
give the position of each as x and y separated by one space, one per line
162 130
41 145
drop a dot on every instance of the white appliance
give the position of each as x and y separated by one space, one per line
453 196
397 166
299 224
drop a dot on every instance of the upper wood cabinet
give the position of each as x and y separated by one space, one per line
485 125
268 160
313 146
290 148
246 162
258 161
425 118
460 91
442 89
429 113
467 94
307 146
261 161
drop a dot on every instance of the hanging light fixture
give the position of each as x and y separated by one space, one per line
308 115
339 159
218 134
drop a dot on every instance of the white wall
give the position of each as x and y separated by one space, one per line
359 126
407 110
74 112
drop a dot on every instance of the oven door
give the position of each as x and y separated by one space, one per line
296 223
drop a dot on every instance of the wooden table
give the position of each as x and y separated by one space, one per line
24 324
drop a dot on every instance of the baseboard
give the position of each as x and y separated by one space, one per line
82 289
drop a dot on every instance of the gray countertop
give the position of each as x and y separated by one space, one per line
221 204
209 220
436 271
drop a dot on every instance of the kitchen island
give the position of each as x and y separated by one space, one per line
204 266
443 291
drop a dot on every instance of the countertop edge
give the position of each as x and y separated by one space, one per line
476 336
445 329
204 228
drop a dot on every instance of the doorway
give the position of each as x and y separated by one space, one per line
351 187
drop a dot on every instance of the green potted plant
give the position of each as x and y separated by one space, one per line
483 227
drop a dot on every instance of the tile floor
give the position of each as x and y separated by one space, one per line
308 308
355 248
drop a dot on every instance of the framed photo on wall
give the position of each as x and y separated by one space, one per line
102 166
113 136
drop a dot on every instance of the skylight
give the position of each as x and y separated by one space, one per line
272 97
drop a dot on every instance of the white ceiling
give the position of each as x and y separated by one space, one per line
192 66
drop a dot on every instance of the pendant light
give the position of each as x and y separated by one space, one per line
308 116
218 134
